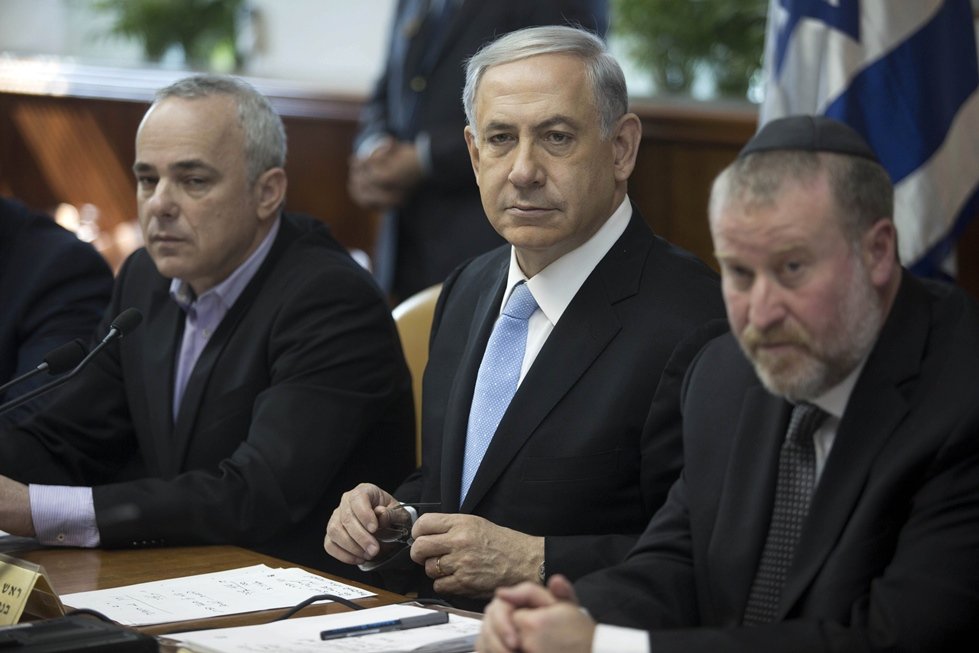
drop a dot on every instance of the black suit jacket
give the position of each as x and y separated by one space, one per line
53 289
443 223
889 555
590 444
300 393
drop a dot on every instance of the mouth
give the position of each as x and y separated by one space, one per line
528 210
776 348
164 239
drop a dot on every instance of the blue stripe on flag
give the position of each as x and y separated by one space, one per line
914 91
844 17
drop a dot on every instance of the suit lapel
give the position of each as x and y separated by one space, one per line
161 335
746 499
460 399
199 378
874 411
586 328
190 403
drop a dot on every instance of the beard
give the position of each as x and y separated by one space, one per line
808 367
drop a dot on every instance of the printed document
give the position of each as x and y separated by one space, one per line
302 634
221 593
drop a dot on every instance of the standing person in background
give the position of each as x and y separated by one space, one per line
53 289
410 160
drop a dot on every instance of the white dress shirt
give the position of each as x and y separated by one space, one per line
556 285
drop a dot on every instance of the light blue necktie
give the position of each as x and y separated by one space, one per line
497 379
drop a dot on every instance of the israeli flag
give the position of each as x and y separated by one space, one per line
904 74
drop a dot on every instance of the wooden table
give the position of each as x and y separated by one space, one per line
79 570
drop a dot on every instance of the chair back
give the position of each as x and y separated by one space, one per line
413 318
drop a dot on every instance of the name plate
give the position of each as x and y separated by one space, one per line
25 589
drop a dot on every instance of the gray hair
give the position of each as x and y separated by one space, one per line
601 69
265 136
861 188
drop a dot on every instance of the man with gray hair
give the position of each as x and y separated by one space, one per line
550 420
829 499
266 370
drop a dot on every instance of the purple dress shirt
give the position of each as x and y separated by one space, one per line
64 515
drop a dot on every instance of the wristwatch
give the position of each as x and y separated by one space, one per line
540 573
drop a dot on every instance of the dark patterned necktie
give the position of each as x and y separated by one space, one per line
793 491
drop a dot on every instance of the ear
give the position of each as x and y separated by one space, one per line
270 192
473 150
879 250
625 145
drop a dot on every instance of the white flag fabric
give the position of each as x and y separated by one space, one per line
904 74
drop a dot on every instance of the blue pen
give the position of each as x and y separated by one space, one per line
433 618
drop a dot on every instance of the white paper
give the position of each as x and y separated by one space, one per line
248 589
302 635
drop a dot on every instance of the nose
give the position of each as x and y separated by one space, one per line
160 204
526 170
766 307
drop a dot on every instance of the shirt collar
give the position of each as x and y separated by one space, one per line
556 285
228 291
834 400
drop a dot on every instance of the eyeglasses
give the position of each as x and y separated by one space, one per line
396 521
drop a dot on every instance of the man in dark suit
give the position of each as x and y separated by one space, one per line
53 289
409 160
860 533
265 376
587 449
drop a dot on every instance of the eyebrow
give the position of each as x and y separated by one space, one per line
558 120
179 166
553 121
722 255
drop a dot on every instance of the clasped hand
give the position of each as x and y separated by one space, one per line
533 619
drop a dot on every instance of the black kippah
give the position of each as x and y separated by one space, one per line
809 133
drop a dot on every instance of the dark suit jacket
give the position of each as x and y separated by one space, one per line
53 289
590 444
443 223
889 558
299 388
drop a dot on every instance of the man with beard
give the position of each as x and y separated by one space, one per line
829 499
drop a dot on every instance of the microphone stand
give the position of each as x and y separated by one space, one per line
123 323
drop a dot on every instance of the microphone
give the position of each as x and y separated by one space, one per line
57 361
124 323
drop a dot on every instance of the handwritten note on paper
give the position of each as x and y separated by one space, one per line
249 589
302 635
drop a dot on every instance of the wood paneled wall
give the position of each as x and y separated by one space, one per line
76 146
80 149
683 148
